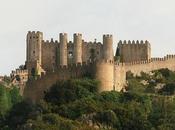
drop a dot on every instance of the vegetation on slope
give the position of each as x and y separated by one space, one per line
148 104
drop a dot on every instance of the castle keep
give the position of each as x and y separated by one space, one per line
47 56
50 61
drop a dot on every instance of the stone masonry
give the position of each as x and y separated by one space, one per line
50 61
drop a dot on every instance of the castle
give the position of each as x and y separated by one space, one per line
50 61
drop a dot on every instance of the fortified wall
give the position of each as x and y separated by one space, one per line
35 89
154 64
51 61
19 78
47 55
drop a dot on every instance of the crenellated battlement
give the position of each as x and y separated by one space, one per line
77 34
19 71
138 62
133 42
167 57
34 33
117 64
107 36
63 34
152 60
104 61
62 60
51 41
158 59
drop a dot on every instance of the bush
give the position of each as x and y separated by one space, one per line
168 89
68 91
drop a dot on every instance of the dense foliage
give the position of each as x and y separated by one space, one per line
8 98
148 104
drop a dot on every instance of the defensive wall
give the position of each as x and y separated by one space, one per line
35 89
50 54
19 78
53 61
119 76
112 76
154 64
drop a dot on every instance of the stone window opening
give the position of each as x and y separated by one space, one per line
92 55
70 54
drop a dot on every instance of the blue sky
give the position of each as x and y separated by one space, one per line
152 20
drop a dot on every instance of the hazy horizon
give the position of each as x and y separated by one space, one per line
151 20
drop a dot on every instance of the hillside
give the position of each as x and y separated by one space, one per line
148 104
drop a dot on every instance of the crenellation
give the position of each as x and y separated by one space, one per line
78 34
141 42
147 43
129 42
133 42
56 41
137 42
107 36
51 40
124 42
53 60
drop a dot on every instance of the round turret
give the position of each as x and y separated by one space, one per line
105 74
108 47
77 48
63 49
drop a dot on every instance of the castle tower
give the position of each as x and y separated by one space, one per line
34 41
105 67
148 51
34 53
77 48
108 53
135 51
63 49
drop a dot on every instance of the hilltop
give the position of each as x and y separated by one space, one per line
75 104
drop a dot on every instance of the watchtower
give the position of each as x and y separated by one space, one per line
108 53
34 53
77 48
63 49
34 41
105 67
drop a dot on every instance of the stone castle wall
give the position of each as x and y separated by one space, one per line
153 64
49 57
134 51
64 60
119 76
51 54
112 76
105 74
35 89
92 47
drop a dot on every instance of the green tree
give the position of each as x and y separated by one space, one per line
5 103
15 95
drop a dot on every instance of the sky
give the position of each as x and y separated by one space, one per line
152 20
